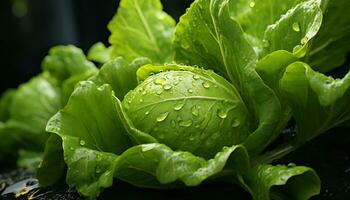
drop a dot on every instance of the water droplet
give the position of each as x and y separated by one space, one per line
82 142
71 148
162 117
304 40
190 91
176 82
252 4
147 112
144 93
296 27
222 113
265 43
206 85
159 92
297 48
159 81
195 111
129 101
215 86
147 147
186 123
173 123
196 77
167 87
179 106
141 100
235 123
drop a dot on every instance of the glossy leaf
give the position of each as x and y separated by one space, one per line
191 110
295 29
100 53
120 75
331 45
266 182
141 29
66 61
207 36
318 102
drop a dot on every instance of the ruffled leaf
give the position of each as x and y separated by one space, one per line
100 53
318 102
141 29
266 182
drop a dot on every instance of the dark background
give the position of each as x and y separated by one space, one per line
28 28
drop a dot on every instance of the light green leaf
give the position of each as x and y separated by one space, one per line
5 103
256 15
294 30
141 29
100 53
66 61
266 182
329 48
207 36
318 102
120 75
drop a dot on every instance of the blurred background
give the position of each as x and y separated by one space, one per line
30 27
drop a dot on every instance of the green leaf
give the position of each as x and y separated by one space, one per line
188 109
266 182
120 75
141 29
100 53
5 103
28 111
156 165
66 61
52 163
294 30
318 102
207 36
330 46
256 16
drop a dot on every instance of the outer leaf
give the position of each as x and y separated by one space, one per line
266 182
332 43
120 75
140 28
188 109
100 53
5 102
267 12
295 29
207 36
318 102
155 165
91 167
66 61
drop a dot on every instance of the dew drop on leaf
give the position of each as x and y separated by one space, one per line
296 27
206 85
82 142
186 123
222 113
252 4
159 81
195 111
195 77
179 106
141 100
190 91
235 123
167 87
147 112
162 117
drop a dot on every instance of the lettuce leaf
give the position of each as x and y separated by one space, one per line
266 182
141 29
